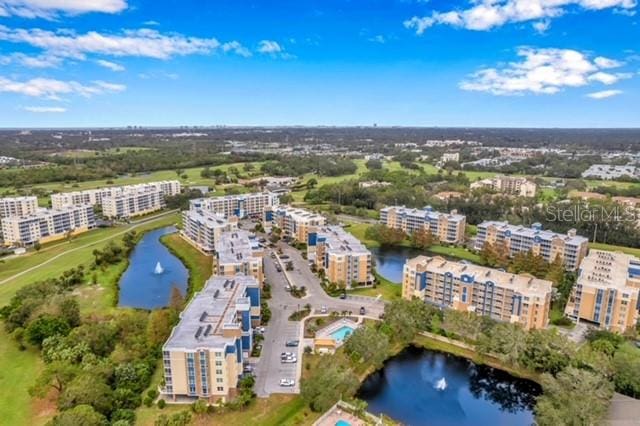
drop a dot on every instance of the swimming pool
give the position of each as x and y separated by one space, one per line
341 334
343 423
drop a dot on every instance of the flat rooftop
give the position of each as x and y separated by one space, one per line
426 213
532 232
236 246
207 218
610 270
211 310
299 214
339 241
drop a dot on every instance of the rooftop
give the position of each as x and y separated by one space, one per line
300 214
535 230
605 269
236 246
522 283
426 213
339 241
207 218
211 311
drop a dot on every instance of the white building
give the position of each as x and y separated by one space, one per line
241 205
47 225
18 206
96 196
609 172
512 185
130 203
446 227
203 228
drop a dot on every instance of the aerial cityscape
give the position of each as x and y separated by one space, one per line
337 213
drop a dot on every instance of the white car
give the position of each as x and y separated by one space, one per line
289 360
287 383
323 309
259 330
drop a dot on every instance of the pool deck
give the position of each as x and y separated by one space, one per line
341 412
326 332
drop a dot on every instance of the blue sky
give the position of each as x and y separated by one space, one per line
515 63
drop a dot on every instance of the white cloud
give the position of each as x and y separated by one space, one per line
378 39
604 94
541 71
48 88
110 65
269 47
39 61
603 62
142 42
44 109
487 14
49 9
542 26
237 48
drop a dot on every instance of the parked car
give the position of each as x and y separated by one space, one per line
323 309
278 268
260 329
248 368
362 310
284 256
286 354
289 360
287 287
273 254
287 383
343 296
292 343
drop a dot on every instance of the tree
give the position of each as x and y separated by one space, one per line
312 183
574 397
87 389
373 164
328 384
405 318
368 345
82 414
384 235
176 300
507 341
56 375
626 362
547 351
45 326
37 246
422 239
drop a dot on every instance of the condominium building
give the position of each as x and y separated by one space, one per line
96 196
18 206
570 247
239 252
342 256
134 203
512 185
607 291
241 205
515 298
47 225
446 227
203 228
610 172
295 223
204 355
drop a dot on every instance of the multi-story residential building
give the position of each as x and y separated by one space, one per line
342 256
18 206
295 223
47 225
203 228
570 247
239 252
512 185
516 298
607 291
203 358
133 203
96 196
241 205
448 228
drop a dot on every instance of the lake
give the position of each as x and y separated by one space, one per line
423 387
140 285
389 261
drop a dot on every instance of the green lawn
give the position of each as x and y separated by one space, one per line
629 250
385 289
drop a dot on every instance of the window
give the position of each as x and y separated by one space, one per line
220 388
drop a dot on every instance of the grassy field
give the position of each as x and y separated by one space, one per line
629 250
385 289
200 266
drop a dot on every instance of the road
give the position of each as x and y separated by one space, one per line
268 369
134 225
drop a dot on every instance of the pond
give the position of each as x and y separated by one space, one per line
153 270
423 387
389 261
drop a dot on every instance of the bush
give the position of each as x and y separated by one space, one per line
152 393
147 401
162 403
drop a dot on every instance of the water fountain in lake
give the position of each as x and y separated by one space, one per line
158 269
441 384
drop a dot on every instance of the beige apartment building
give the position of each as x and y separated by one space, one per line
342 256
241 205
607 291
239 252
515 298
512 185
47 225
133 203
446 227
18 206
203 228
203 358
294 222
97 196
570 247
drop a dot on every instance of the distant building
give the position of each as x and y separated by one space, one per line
610 172
203 358
131 204
203 228
632 202
47 225
570 247
587 196
446 227
97 196
512 185
515 298
18 206
239 252
241 205
373 184
448 195
449 157
606 292
342 256
295 223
